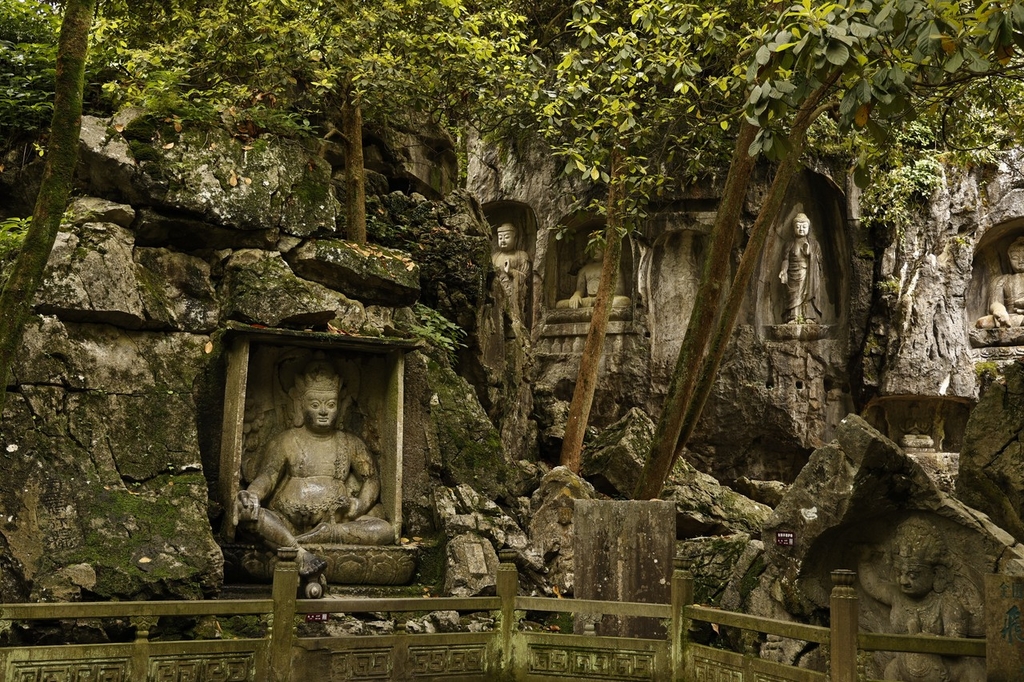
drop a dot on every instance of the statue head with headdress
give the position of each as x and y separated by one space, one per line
920 558
315 395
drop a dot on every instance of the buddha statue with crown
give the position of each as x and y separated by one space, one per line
316 484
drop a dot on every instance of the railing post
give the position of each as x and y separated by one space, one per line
507 587
282 628
140 650
843 635
679 628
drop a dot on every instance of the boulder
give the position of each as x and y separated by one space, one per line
614 460
177 291
705 507
91 276
94 210
991 473
373 274
862 504
471 567
259 287
462 510
551 524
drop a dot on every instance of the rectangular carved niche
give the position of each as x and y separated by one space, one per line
262 367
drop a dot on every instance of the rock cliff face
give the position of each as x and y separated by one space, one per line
112 431
893 335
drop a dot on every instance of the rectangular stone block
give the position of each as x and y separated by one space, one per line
623 552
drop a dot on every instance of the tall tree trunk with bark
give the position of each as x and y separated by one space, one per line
697 365
55 187
706 305
355 178
590 362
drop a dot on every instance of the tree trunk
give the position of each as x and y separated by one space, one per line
55 187
355 178
759 238
698 331
586 379
696 367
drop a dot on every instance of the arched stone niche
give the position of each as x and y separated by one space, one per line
672 275
921 424
522 216
991 263
564 329
569 256
822 203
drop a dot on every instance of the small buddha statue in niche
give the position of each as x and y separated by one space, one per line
922 599
587 281
512 265
801 273
316 484
1006 293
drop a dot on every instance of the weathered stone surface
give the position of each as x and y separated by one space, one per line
177 290
623 552
471 566
991 474
94 210
254 186
551 523
102 450
713 562
373 274
259 287
855 505
926 273
463 444
614 460
705 507
91 276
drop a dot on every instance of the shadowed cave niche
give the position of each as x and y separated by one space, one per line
929 429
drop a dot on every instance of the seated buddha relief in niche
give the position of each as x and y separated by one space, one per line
588 278
308 481
995 301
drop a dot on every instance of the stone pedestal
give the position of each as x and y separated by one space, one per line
346 564
623 552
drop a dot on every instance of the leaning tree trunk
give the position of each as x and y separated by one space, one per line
705 307
55 187
759 240
586 379
697 366
355 178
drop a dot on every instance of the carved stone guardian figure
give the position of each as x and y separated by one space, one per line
315 484
924 598
802 274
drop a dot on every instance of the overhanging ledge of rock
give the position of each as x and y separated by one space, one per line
374 274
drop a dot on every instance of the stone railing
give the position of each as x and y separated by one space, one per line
506 652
